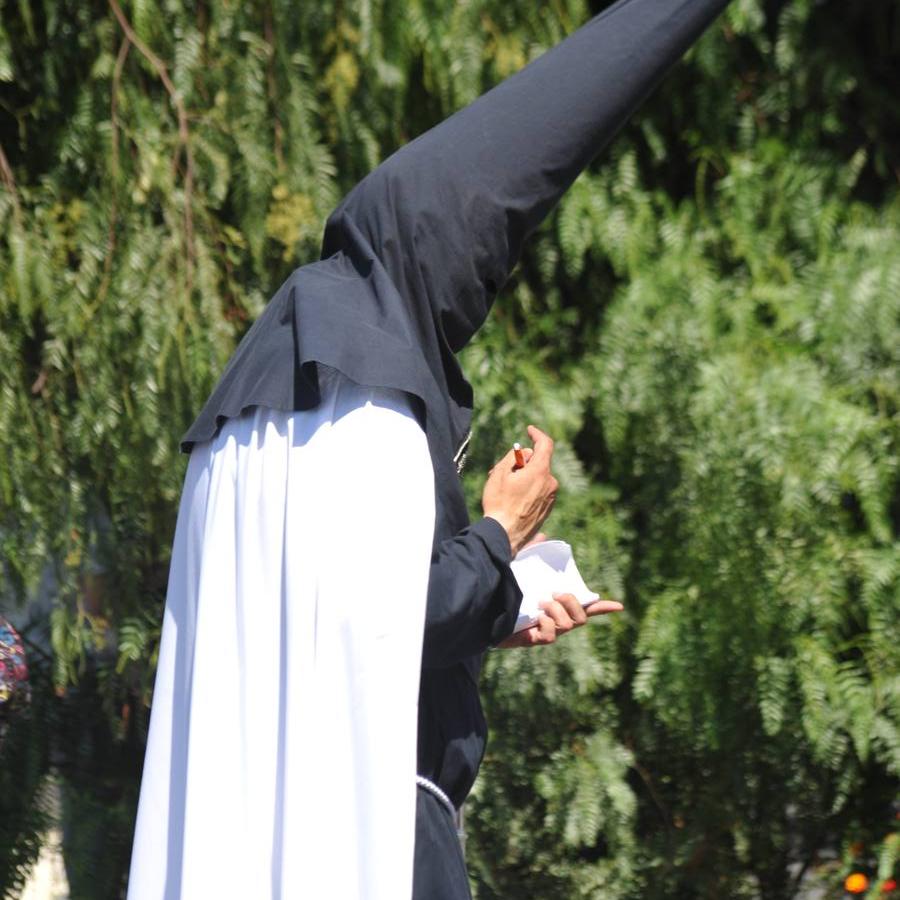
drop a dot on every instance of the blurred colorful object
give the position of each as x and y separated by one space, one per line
856 883
888 886
14 687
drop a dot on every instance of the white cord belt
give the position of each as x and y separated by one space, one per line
435 791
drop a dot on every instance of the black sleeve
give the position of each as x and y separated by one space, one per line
473 598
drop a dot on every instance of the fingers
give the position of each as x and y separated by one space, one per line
554 610
566 612
544 632
602 607
559 615
539 538
573 608
519 639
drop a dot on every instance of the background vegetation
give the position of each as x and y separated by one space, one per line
710 324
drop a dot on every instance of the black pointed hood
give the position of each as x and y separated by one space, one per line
415 254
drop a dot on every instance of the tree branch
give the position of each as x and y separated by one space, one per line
114 101
269 32
6 174
184 141
114 206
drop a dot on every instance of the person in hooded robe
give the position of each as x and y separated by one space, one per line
316 720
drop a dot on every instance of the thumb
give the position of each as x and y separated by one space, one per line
543 445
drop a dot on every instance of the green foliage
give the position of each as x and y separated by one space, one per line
25 738
709 326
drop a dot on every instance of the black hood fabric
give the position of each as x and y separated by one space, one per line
414 255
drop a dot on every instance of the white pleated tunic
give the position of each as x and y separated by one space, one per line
281 754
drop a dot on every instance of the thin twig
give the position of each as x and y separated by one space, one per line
664 813
39 383
114 206
6 174
272 88
184 137
114 103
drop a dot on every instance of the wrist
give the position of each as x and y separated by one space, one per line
504 523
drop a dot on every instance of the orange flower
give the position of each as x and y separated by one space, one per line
856 883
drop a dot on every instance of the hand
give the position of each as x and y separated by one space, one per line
560 615
521 499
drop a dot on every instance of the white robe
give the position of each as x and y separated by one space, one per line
281 755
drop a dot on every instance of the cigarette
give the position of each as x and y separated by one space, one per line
520 456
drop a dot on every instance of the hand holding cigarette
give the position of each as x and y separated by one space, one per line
520 490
